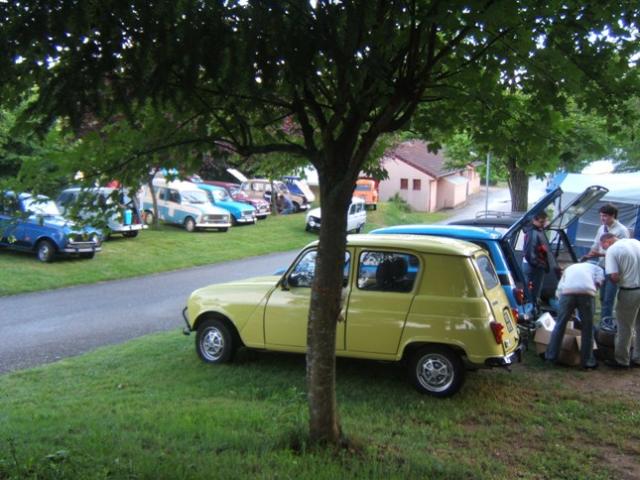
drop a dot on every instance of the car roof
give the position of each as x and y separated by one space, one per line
207 186
457 231
420 243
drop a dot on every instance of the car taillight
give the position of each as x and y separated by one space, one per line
497 330
515 313
518 293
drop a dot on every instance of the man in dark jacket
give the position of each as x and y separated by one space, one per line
535 262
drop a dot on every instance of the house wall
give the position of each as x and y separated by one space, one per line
419 200
451 195
474 179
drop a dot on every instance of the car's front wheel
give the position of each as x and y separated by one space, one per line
190 224
45 250
130 234
436 370
214 342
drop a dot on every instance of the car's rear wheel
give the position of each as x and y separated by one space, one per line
45 250
214 342
130 234
436 370
190 224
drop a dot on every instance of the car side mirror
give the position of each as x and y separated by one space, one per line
293 280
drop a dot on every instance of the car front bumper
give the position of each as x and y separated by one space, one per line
186 330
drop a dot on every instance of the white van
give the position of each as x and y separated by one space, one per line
123 215
356 218
183 203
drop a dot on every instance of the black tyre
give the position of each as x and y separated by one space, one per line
214 342
130 234
45 250
88 255
359 229
223 229
189 224
296 207
436 370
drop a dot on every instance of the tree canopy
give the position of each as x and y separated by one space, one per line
344 72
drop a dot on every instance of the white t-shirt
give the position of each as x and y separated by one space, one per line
616 228
581 278
623 258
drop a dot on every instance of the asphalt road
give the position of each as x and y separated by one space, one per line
43 327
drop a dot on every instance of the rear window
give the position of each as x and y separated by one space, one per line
489 275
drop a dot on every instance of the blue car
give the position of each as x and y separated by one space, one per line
34 224
502 238
241 213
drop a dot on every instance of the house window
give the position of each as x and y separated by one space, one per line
404 184
416 184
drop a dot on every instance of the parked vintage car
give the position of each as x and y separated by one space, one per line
356 217
115 208
435 303
261 206
34 224
299 186
183 203
367 190
261 188
502 237
241 213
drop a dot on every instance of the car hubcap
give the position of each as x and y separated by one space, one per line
43 253
212 344
435 372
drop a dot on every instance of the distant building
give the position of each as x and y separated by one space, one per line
421 179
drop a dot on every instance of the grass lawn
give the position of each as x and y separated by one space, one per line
171 248
150 409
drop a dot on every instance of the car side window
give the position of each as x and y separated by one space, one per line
162 195
304 271
174 196
489 275
352 209
387 271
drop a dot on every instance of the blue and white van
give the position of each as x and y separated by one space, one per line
241 213
183 203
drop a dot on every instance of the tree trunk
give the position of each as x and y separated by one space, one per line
518 186
325 311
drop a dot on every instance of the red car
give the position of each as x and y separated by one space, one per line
263 208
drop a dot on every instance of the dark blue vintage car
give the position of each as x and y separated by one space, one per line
34 224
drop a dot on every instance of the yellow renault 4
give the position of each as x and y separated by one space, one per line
434 303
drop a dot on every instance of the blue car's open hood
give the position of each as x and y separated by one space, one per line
566 215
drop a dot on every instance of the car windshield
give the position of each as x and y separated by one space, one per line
195 196
40 206
220 195
362 187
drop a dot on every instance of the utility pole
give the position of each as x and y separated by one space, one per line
486 201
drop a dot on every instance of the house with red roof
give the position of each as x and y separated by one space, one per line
421 178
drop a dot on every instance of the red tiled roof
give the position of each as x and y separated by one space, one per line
415 153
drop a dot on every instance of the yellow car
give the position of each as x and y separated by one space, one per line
435 303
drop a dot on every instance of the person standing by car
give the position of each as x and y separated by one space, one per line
609 224
622 264
535 262
577 289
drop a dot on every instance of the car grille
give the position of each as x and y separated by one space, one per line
216 219
80 240
263 208
248 214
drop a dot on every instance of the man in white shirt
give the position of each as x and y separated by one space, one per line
609 224
622 264
577 289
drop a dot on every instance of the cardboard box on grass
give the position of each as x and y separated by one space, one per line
571 342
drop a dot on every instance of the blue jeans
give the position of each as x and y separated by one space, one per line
535 277
586 305
607 298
